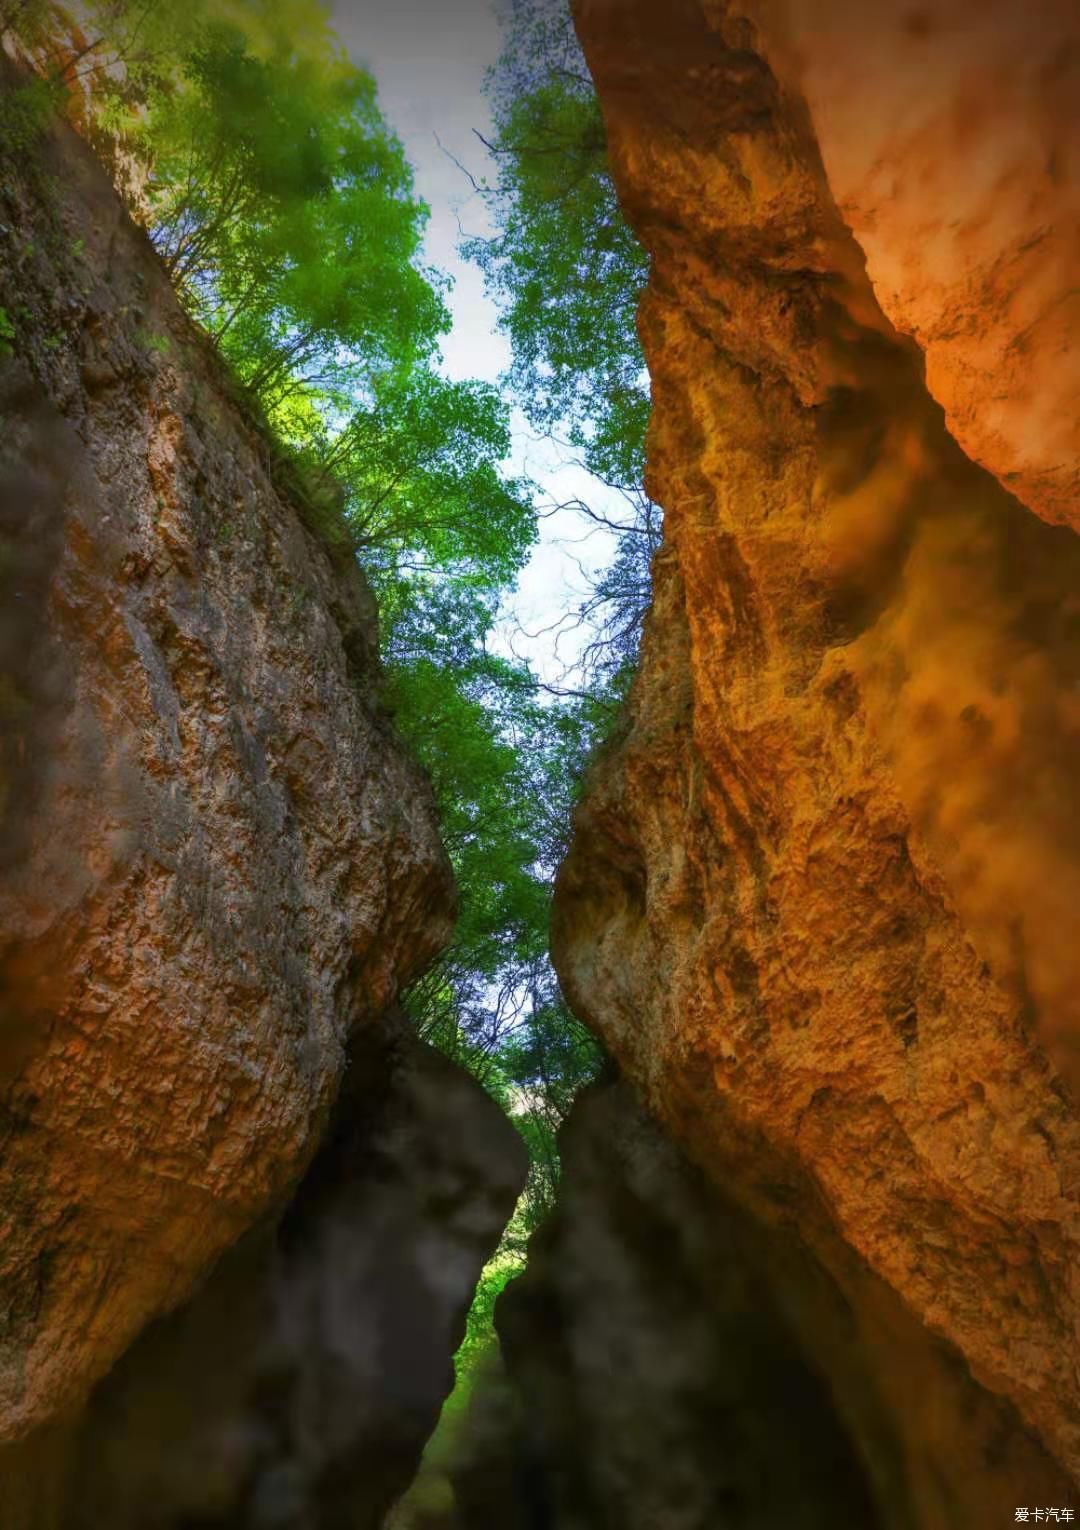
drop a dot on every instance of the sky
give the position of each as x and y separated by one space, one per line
429 59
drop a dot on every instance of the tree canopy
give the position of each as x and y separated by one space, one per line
563 263
284 209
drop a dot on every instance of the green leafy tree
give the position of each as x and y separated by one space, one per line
568 273
284 209
470 716
419 461
563 264
282 204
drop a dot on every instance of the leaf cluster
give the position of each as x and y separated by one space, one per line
563 263
284 208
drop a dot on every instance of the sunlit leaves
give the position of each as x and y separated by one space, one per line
563 263
284 208
420 463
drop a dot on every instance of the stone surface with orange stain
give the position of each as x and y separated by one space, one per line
822 898
218 862
950 135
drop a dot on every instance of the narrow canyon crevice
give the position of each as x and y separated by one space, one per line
814 1257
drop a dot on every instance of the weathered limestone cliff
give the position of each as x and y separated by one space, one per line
822 899
951 141
218 867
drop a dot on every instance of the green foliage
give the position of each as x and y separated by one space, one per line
7 332
27 110
284 208
563 264
480 1324
486 824
430 1498
568 274
281 202
505 767
468 714
130 50
420 465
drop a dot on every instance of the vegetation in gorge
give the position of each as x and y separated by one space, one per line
283 207
564 264
567 274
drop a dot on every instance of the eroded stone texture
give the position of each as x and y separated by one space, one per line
650 1381
822 899
951 138
297 1389
217 861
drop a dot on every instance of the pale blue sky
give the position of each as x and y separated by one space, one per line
429 58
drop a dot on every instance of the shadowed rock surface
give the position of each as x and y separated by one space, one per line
649 1378
299 1386
822 900
218 864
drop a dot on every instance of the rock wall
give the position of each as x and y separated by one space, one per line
822 899
649 1380
951 140
299 1387
218 864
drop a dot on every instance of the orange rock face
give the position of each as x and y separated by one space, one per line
217 862
822 899
951 139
